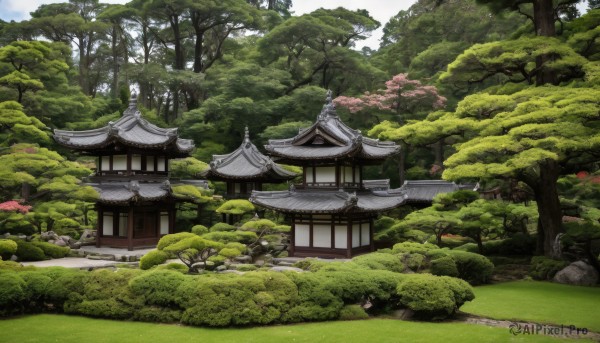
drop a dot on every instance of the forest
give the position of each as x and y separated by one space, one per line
502 93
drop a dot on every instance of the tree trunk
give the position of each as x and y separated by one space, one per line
115 65
401 164
543 17
546 197
479 243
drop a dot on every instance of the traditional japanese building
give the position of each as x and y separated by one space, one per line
331 211
136 206
245 169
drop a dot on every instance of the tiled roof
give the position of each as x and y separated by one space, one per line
246 163
375 199
313 201
424 190
330 138
131 130
131 191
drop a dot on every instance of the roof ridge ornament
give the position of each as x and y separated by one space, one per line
132 109
247 137
329 107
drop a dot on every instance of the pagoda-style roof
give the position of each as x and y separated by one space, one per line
121 193
246 163
423 191
329 138
317 201
130 130
376 199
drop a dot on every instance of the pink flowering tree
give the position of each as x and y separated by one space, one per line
401 96
404 98
14 206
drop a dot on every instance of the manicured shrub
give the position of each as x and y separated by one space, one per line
437 253
432 297
157 287
544 268
380 261
12 293
474 268
27 251
245 237
218 227
157 314
172 239
35 289
7 248
106 294
444 266
153 258
416 235
178 267
258 225
413 248
52 250
414 261
199 230
229 252
353 312
66 287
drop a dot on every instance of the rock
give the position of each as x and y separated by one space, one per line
23 237
14 258
285 264
6 235
577 273
284 269
244 259
221 268
66 239
75 245
60 243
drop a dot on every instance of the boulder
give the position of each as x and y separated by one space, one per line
14 258
60 243
66 239
221 268
230 271
243 259
577 273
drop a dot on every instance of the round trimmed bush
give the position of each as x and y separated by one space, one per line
153 258
199 230
444 266
382 261
27 251
181 268
7 248
353 312
433 297
473 268
157 287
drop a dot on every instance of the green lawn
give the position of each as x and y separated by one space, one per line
540 302
67 329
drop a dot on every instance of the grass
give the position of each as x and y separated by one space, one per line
72 329
539 302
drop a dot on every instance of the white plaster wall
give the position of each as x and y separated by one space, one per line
105 163
341 237
107 224
348 174
325 174
302 235
164 223
120 162
322 236
136 162
355 235
309 175
160 166
149 163
365 238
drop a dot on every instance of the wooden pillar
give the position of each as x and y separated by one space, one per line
130 229
292 237
371 234
349 245
100 224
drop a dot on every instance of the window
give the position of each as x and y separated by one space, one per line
302 235
322 236
105 163
365 234
309 175
355 235
149 163
341 237
160 164
325 175
164 223
120 162
136 162
123 223
107 224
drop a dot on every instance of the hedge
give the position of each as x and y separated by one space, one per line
27 251
473 268
7 248
52 250
444 266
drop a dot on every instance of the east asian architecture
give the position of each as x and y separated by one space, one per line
245 169
331 210
136 205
